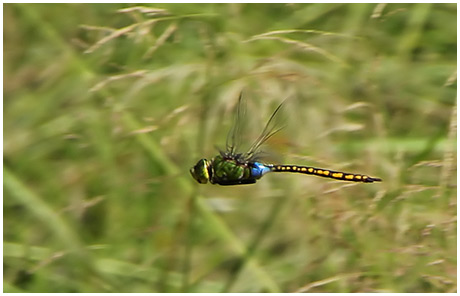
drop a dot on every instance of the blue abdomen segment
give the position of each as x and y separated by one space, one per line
259 169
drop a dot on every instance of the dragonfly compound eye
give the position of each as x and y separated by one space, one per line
200 171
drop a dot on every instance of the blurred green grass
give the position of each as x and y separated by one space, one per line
107 106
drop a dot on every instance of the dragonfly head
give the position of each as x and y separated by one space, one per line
200 171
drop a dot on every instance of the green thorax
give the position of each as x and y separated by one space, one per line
228 171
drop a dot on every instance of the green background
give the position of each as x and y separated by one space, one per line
107 106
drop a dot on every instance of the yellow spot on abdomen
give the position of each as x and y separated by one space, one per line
357 177
337 175
303 169
326 173
311 170
349 177
319 172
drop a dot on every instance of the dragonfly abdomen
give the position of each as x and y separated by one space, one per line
323 173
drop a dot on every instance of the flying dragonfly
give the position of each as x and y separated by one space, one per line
231 167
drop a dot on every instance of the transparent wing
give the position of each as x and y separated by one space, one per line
271 128
234 135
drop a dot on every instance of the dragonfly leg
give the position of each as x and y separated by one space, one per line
239 182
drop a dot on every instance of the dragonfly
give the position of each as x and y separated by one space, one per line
231 167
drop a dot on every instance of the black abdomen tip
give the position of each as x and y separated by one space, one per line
370 180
